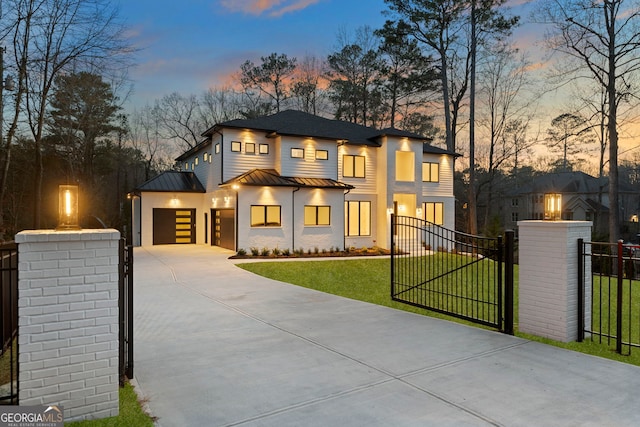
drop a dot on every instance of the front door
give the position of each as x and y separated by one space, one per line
223 228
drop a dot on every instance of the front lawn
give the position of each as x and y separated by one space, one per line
369 280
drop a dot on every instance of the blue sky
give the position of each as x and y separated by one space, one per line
190 45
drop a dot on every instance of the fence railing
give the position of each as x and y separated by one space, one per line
609 303
9 323
125 286
465 276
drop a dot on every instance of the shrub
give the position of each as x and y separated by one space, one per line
242 252
316 250
265 251
276 251
286 252
255 251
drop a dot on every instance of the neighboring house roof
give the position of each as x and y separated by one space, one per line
564 182
298 123
270 177
173 181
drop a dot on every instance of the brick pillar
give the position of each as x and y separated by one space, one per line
68 321
548 277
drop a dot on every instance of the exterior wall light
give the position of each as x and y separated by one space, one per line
553 207
68 208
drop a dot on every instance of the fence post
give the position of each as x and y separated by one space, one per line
130 311
393 255
580 289
619 300
509 249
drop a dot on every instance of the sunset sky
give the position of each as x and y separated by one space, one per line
190 45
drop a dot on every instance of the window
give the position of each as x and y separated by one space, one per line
236 146
353 166
197 159
357 218
265 216
264 148
405 166
186 166
322 155
434 212
514 202
250 148
297 153
514 216
218 148
205 157
430 172
317 215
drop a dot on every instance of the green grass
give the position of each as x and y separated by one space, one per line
369 280
131 413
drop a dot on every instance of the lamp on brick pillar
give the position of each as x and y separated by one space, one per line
553 206
68 208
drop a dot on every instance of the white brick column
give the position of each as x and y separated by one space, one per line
548 277
68 321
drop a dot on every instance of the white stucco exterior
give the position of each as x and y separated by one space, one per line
247 163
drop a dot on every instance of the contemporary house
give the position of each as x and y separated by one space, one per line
293 180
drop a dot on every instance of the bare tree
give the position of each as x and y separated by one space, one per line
603 37
271 78
308 83
180 119
62 36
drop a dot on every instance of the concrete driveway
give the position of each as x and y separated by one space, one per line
218 346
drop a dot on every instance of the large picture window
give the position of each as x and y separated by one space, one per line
265 216
430 172
317 215
405 166
353 166
357 218
434 212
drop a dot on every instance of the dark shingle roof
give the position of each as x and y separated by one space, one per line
270 177
173 181
298 123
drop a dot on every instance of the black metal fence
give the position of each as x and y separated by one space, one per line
9 327
465 276
609 295
125 302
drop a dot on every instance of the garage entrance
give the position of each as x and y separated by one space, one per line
171 226
223 231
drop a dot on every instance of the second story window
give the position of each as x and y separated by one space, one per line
236 146
250 148
430 172
322 155
353 166
514 202
405 166
297 153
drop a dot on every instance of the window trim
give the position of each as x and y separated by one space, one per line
317 215
347 214
265 215
249 148
435 213
236 146
263 148
323 156
297 153
430 177
352 159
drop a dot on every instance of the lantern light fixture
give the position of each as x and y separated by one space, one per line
68 208
553 207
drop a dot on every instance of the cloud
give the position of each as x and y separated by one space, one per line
273 8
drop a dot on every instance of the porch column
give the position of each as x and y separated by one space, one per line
548 277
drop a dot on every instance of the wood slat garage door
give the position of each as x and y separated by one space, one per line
172 226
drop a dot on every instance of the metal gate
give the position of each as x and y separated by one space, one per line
609 294
461 275
125 288
9 323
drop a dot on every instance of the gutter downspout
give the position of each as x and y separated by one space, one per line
293 219
344 236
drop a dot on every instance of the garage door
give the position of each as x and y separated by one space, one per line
172 226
